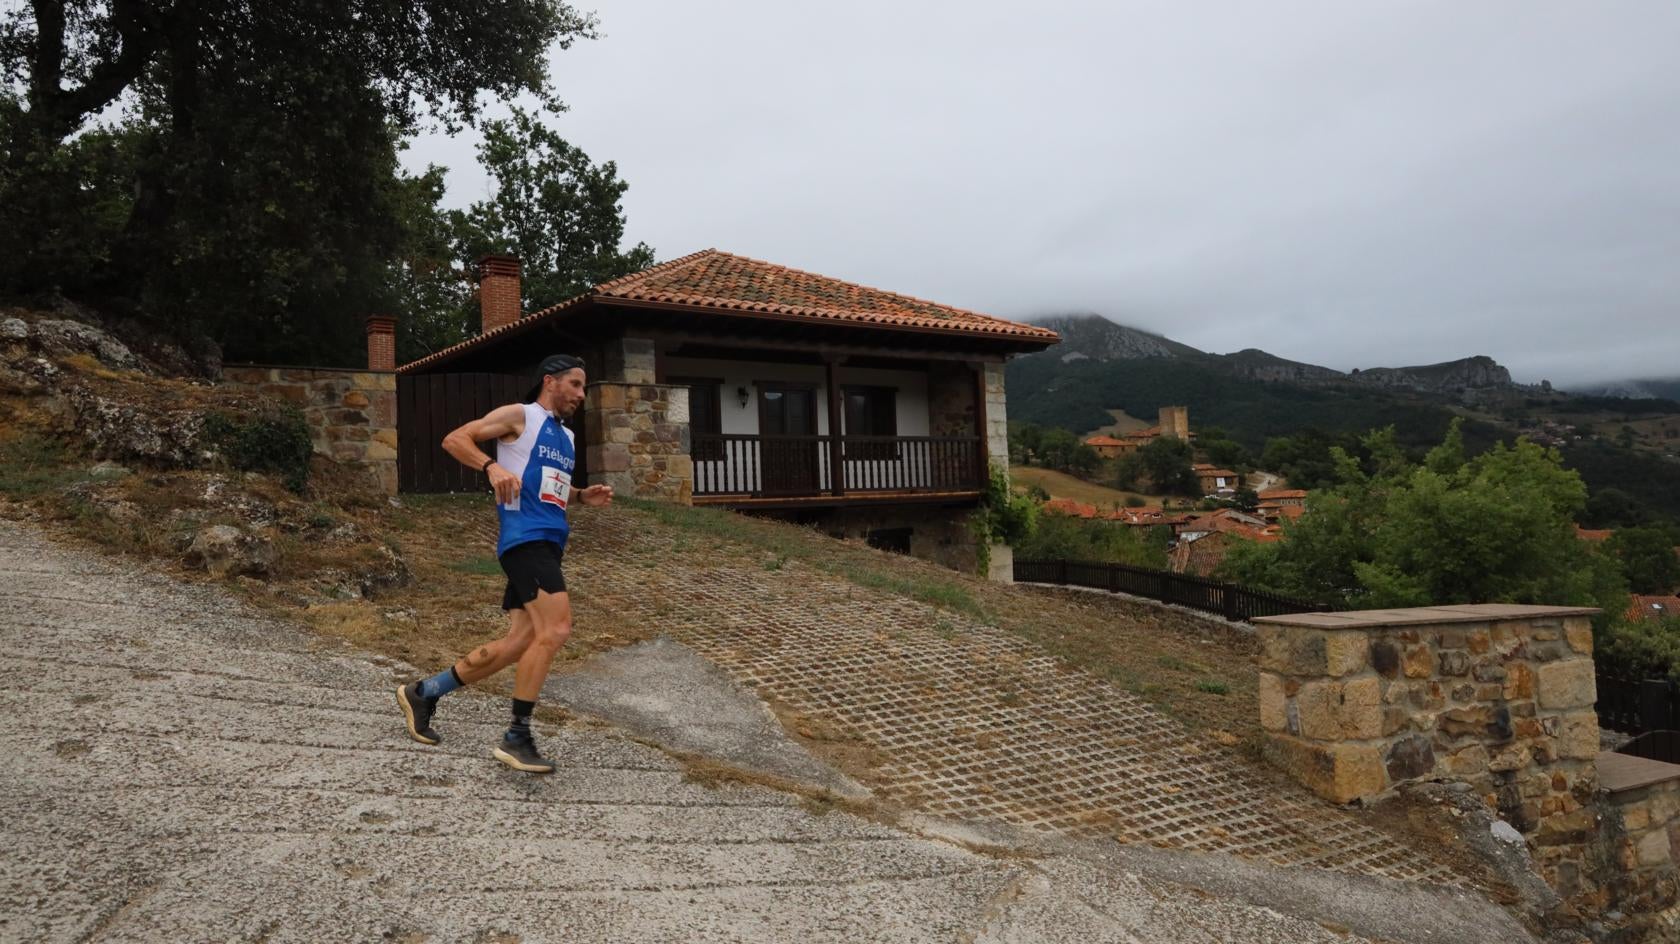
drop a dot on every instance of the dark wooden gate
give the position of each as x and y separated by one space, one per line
430 405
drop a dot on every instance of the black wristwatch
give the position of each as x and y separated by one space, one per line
485 468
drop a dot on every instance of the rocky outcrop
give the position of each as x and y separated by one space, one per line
1256 364
1449 379
1095 337
227 551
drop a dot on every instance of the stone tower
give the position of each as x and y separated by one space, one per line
1175 421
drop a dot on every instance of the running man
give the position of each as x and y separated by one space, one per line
531 475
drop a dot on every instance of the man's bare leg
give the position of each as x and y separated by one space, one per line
418 700
551 626
492 657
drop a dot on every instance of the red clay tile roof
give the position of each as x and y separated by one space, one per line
1645 606
1588 534
1103 441
726 283
1282 493
1069 508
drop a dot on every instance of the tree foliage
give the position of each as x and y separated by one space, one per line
1063 538
1167 461
1648 557
230 168
552 207
1393 532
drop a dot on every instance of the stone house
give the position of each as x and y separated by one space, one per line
1107 447
1213 480
716 379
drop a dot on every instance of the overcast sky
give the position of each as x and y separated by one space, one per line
1352 184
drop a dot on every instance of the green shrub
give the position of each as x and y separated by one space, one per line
279 444
1639 649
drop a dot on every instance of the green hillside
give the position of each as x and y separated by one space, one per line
1076 395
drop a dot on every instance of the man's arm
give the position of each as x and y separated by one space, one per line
501 423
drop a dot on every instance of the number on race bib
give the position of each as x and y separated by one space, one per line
556 486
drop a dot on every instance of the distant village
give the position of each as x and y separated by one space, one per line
1203 531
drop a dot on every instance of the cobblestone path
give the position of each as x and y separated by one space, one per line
970 720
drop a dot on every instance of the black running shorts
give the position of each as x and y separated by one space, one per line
531 567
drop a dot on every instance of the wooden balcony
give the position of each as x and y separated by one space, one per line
794 471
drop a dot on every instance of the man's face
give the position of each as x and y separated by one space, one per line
566 390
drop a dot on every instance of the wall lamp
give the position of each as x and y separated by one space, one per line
741 394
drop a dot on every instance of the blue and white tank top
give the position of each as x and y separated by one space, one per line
543 457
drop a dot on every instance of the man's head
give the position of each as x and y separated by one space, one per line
561 389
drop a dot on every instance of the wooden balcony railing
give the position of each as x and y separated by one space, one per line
795 466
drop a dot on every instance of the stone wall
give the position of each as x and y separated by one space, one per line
938 534
1641 834
997 418
637 439
352 414
1499 697
951 390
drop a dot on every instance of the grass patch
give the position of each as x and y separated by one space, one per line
483 566
774 538
31 466
1213 687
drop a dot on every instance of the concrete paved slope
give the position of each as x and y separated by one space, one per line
179 769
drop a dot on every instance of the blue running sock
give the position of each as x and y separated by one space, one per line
440 684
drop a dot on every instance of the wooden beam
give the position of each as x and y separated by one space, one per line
819 348
985 467
748 503
836 449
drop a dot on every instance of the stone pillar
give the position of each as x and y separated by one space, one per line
626 360
996 432
1496 696
1001 559
637 439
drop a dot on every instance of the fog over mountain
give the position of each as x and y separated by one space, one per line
1341 184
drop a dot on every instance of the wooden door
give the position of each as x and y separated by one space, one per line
787 426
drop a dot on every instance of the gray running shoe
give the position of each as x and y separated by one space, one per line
520 753
418 711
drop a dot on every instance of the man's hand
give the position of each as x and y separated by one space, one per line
596 495
504 483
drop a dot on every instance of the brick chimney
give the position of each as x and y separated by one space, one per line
382 342
498 290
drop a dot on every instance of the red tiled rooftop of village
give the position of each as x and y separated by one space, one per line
1103 441
1593 534
714 279
1069 508
1281 493
727 283
1653 606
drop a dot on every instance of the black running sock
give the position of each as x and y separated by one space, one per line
522 710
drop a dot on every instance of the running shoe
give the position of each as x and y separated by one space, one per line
418 711
520 753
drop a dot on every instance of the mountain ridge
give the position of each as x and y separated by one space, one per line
1091 336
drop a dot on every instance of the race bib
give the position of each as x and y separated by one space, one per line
556 486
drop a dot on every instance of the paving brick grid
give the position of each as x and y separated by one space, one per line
969 720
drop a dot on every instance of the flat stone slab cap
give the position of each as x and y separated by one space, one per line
1619 772
1420 615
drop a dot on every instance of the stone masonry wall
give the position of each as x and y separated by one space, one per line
352 414
997 418
638 440
1499 697
951 390
1644 838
